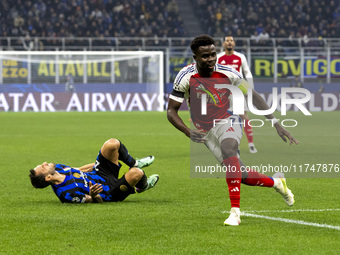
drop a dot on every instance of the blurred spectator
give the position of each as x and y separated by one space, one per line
275 18
27 42
69 85
304 20
90 18
255 37
296 82
172 8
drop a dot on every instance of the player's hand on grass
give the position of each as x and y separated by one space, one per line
95 189
198 136
284 134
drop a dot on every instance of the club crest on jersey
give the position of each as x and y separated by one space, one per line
76 175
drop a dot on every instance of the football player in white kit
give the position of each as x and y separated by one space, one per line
199 80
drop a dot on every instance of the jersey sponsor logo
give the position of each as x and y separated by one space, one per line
235 66
212 98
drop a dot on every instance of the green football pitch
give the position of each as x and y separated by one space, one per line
181 215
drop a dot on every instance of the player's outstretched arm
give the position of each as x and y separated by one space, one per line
260 104
284 134
172 114
86 168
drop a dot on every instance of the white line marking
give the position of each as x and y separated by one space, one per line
273 134
301 222
291 211
287 211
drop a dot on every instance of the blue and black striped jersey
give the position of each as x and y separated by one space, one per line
76 185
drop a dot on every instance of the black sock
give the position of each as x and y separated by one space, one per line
125 156
143 183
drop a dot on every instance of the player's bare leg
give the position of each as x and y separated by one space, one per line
134 175
278 182
249 132
114 151
234 178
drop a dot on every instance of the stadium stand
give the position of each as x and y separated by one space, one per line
266 19
107 19
267 31
88 18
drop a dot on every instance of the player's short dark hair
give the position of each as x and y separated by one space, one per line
38 181
201 40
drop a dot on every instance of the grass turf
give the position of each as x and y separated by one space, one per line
181 215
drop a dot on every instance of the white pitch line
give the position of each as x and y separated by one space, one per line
291 211
287 211
301 222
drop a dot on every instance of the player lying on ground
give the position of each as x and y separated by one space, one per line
96 182
222 140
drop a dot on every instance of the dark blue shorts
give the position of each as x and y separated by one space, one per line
119 187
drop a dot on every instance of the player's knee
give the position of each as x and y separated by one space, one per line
229 148
136 173
111 144
228 152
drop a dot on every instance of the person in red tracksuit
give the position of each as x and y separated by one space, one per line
237 60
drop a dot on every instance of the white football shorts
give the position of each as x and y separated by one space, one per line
227 128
